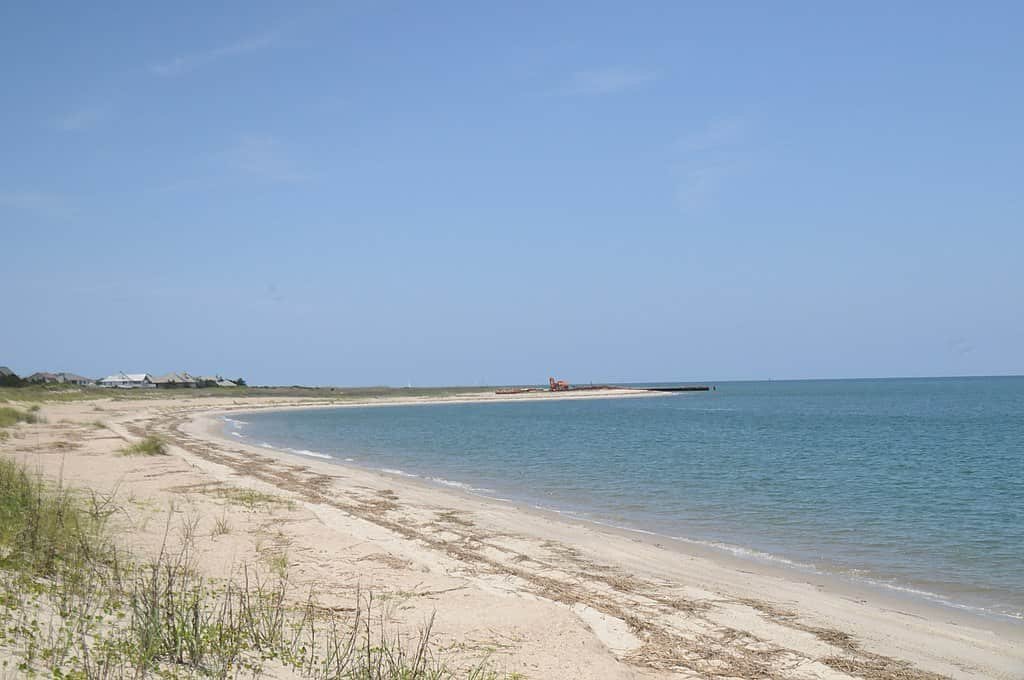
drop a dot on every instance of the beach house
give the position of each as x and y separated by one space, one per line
42 377
73 379
182 379
64 378
128 380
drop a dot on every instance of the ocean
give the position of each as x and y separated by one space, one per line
915 485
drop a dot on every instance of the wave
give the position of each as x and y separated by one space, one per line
939 599
459 485
312 454
856 576
400 473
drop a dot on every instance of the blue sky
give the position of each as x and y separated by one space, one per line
461 193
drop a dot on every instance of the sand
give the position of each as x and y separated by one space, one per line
532 592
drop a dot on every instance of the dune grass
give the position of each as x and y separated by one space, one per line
43 393
149 446
75 604
10 416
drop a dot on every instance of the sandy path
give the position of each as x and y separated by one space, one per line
540 595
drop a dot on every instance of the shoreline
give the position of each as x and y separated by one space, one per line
737 556
905 594
538 592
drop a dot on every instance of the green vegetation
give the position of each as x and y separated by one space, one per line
251 499
11 416
221 526
65 393
73 604
43 393
150 446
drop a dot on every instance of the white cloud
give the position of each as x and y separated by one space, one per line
610 80
186 63
81 119
727 131
264 158
710 158
260 158
698 185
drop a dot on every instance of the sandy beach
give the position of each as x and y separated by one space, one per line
531 592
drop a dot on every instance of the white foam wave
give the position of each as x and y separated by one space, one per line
448 482
748 553
234 422
940 599
400 473
460 485
307 452
236 434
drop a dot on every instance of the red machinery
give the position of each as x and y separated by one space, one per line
558 385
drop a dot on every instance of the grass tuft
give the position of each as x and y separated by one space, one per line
11 416
150 446
221 526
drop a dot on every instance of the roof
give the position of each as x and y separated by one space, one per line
41 375
182 377
73 376
4 371
226 383
127 377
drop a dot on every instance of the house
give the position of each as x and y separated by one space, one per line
128 380
5 372
226 383
42 377
64 378
74 379
182 379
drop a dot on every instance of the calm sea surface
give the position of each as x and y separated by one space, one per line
910 484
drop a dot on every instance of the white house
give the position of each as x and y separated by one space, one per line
128 380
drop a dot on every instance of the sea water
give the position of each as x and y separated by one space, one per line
908 484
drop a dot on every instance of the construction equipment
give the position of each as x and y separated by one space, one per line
558 385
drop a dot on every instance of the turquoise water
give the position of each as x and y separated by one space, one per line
913 484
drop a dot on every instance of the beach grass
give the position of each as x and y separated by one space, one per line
70 393
149 446
75 604
10 416
45 393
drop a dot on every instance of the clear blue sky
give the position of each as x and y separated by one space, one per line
455 193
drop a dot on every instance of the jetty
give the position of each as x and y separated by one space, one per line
563 386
